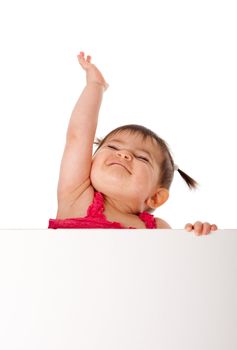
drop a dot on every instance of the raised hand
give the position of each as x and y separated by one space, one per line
92 72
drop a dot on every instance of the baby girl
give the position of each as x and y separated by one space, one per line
124 181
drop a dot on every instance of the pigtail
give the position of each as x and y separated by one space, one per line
192 184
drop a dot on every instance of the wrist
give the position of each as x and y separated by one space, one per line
104 85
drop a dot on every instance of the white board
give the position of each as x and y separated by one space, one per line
118 290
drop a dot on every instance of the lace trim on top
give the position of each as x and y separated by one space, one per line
97 208
96 219
148 218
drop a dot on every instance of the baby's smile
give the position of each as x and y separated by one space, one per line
121 165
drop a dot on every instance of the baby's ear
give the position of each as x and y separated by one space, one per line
158 198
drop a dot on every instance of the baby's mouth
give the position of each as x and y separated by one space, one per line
116 163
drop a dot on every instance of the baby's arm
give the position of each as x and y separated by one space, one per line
76 161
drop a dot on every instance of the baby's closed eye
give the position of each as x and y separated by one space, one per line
113 147
137 156
143 158
140 157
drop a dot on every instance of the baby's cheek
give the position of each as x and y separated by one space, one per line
93 173
143 180
97 176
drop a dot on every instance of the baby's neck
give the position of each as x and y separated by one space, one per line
118 214
117 207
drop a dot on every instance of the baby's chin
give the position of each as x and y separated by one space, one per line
114 179
119 193
110 189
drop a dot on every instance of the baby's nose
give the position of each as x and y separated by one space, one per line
124 154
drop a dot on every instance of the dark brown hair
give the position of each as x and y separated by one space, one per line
167 165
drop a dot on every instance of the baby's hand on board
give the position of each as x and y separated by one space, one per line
200 228
92 72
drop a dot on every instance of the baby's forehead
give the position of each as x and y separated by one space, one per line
127 135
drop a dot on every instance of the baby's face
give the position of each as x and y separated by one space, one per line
126 167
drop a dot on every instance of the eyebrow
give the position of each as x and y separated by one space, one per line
138 149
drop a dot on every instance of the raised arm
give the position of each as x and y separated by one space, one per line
76 161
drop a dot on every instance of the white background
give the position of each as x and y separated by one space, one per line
171 66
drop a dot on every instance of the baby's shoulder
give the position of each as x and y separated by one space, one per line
160 223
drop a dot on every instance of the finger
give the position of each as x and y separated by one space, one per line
206 228
214 227
189 227
88 59
81 56
198 228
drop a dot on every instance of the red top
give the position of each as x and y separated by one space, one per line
96 219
